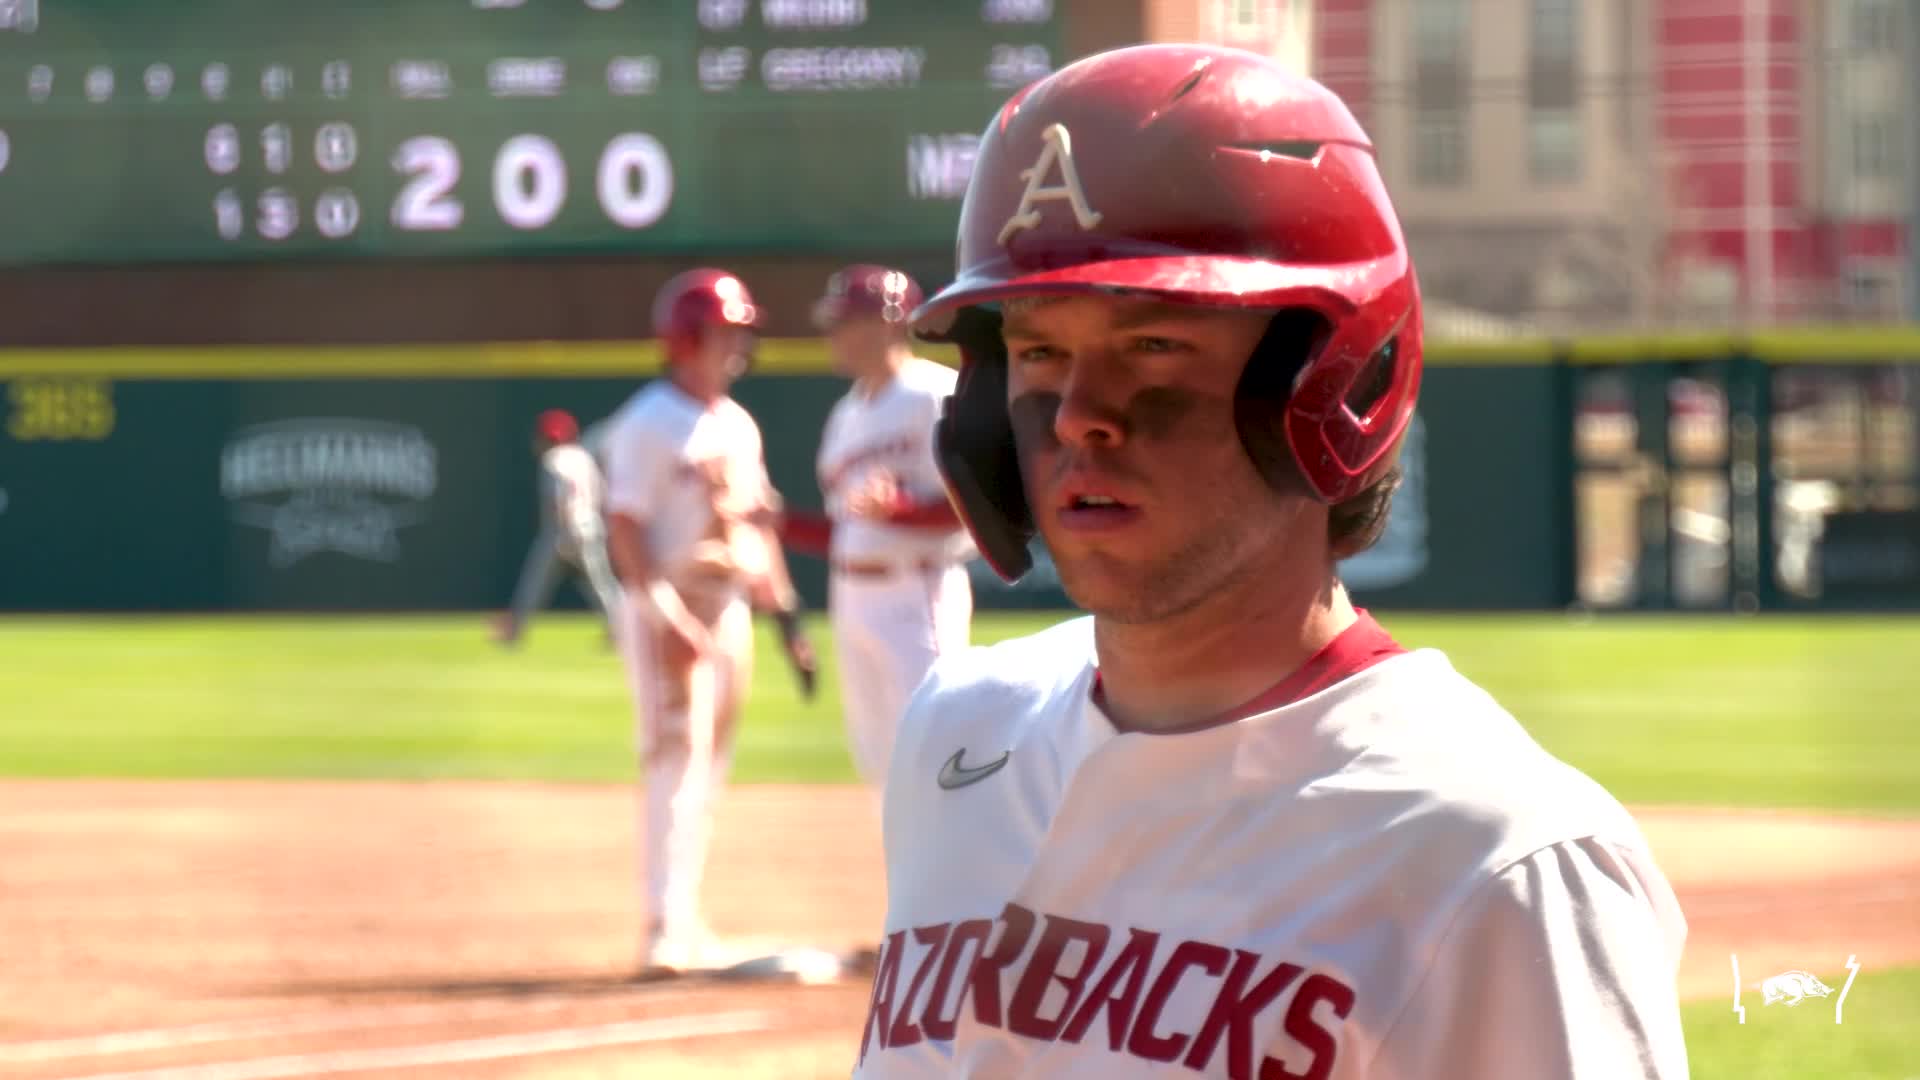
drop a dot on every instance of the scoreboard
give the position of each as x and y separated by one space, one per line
169 130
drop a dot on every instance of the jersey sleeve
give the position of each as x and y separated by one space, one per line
752 450
594 440
1562 967
926 483
636 470
828 436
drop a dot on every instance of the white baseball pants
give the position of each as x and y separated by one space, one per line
685 717
887 632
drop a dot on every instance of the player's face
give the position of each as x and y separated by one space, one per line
724 355
859 344
1124 421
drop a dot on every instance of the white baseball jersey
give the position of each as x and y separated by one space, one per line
594 438
1372 872
672 460
892 430
573 484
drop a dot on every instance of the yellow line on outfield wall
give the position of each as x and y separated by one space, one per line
808 356
1650 348
1519 351
1799 345
533 359
1841 345
554 359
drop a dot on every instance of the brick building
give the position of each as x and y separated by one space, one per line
1605 163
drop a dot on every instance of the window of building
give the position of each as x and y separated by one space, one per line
1872 25
1873 147
1553 63
1244 16
1553 145
1555 31
1440 30
1439 147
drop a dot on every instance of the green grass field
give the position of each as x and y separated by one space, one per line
1766 712
1762 712
1876 1039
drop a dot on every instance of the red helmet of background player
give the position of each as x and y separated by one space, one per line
867 289
1190 174
692 301
556 426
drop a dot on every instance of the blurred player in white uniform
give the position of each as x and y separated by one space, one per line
1226 826
898 593
690 511
572 536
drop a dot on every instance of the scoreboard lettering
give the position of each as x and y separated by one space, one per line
133 131
938 166
807 14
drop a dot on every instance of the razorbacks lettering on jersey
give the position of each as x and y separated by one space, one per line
679 466
1372 871
891 430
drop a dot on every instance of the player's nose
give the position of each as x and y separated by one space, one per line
1091 411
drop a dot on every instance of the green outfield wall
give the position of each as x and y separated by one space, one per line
361 479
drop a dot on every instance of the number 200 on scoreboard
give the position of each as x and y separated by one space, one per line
633 182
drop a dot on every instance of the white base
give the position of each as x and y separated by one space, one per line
808 967
719 959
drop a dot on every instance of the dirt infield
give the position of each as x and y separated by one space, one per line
472 930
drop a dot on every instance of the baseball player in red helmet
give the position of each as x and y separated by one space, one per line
1226 826
898 592
572 536
691 512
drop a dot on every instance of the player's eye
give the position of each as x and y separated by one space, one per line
1034 354
1151 344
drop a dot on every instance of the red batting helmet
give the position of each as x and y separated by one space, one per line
695 300
866 289
556 426
1189 174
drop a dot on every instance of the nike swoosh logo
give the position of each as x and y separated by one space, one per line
955 775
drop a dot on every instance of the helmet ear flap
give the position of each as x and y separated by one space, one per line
1266 386
975 448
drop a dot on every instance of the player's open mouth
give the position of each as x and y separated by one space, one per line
1095 512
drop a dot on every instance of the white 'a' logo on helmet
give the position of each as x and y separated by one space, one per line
1056 149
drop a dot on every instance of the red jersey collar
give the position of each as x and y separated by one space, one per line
1351 652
